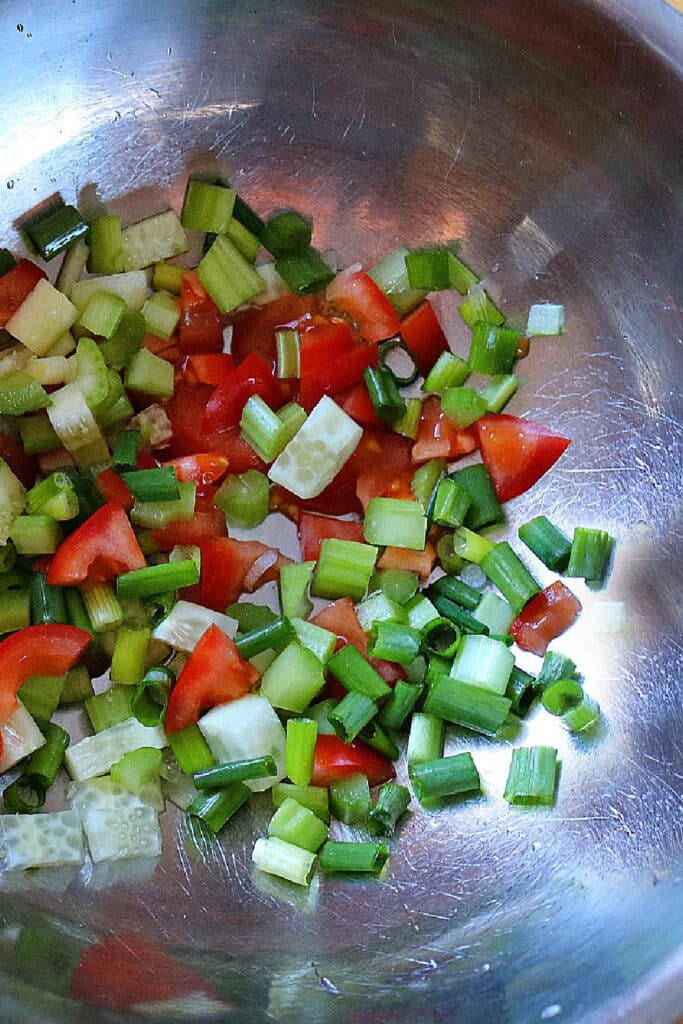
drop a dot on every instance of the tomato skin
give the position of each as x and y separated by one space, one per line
113 488
254 330
314 529
547 616
438 438
24 466
252 377
209 368
200 328
340 618
331 360
356 402
422 333
103 547
185 411
225 565
214 674
202 468
36 650
335 759
16 285
516 452
367 305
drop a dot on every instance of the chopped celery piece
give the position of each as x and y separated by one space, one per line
168 277
378 607
316 639
246 243
449 371
396 522
161 315
478 308
106 250
92 376
344 569
298 825
293 679
484 662
294 583
207 207
262 429
150 374
103 314
499 391
463 406
495 612
227 276
35 535
391 274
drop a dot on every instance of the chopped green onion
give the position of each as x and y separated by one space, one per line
399 585
470 546
356 857
420 611
103 314
392 802
57 231
130 654
451 503
399 704
294 583
545 319
449 371
493 349
495 612
314 797
109 708
137 769
435 269
386 399
441 637
161 314
532 776
499 391
465 621
445 776
547 543
243 213
156 514
373 735
521 691
304 273
426 479
397 522
39 772
506 570
555 666
159 484
394 642
168 277
54 496
293 679
125 343
155 579
207 207
344 569
151 695
292 417
298 825
300 750
352 714
485 509
408 425
47 602
77 686
477 308
75 610
262 429
288 357
320 642
426 738
286 234
148 373
469 706
7 261
273 636
356 674
567 700
216 807
250 616
191 750
455 590
350 799
41 695
15 610
463 406
591 556
125 456
285 860
35 535
235 771
396 357
20 393
391 275
482 661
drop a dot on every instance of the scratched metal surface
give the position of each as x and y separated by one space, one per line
547 138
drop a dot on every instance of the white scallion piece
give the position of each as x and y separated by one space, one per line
20 737
95 755
41 840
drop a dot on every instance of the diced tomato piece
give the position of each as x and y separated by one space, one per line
145 459
200 328
49 650
204 468
123 971
547 616
15 286
422 333
314 529
421 562
438 438
113 488
252 377
185 411
22 465
41 564
254 330
516 452
367 305
335 373
202 527
103 547
214 368
335 759
341 618
214 674
356 402
227 565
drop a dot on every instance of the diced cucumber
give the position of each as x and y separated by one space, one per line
151 240
392 277
95 755
317 451
41 840
50 369
118 834
73 265
12 493
186 623
75 426
92 375
247 727
132 287
42 318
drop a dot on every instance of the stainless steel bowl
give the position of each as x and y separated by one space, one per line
546 136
